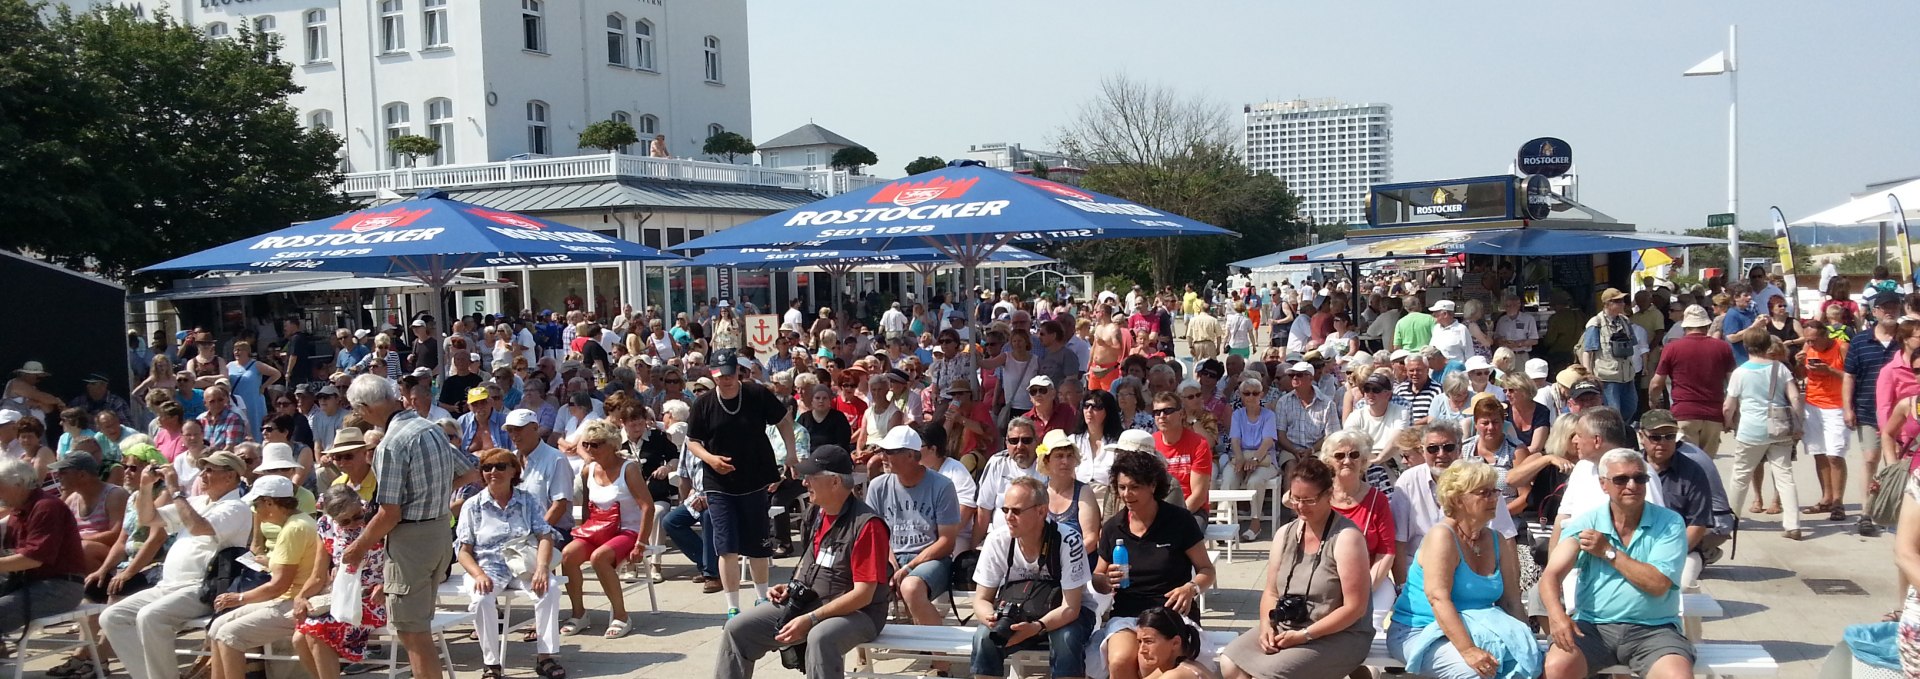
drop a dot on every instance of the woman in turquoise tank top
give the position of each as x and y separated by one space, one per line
1460 594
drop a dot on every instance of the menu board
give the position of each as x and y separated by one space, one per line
1574 274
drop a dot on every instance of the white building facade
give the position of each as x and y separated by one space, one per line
497 79
1328 152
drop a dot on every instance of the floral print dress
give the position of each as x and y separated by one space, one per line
350 640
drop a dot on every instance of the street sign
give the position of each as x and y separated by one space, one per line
761 330
1720 219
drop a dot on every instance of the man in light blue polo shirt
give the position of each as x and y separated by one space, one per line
1630 554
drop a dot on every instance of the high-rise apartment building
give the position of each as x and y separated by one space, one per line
1327 151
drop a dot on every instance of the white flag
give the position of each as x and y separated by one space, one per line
1714 65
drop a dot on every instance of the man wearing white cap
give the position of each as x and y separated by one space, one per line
10 444
922 513
1545 391
1696 367
1305 414
544 471
1449 334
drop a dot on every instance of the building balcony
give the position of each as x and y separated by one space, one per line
599 166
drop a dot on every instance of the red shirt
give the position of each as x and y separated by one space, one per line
872 556
1697 367
1185 457
1042 425
1320 325
1374 516
971 442
44 530
855 410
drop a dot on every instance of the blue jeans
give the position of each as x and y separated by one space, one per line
1066 649
1621 396
678 525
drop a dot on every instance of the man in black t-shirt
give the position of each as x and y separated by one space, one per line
460 378
727 430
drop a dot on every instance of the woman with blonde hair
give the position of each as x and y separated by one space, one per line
1347 452
618 520
504 542
1460 614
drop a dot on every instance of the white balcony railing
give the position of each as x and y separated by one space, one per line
600 166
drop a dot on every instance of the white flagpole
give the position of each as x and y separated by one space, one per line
1733 155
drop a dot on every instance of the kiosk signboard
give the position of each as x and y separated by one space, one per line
1546 156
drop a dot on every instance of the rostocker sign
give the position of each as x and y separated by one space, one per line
1546 156
907 207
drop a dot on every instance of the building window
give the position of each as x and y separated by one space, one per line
713 59
265 24
813 159
533 25
616 40
622 117
434 15
539 139
320 120
440 128
773 159
217 30
649 126
316 35
714 130
397 126
393 26
643 44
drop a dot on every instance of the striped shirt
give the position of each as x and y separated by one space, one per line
1865 358
414 467
1304 424
1418 403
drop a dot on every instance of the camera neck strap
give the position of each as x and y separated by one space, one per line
842 525
1300 552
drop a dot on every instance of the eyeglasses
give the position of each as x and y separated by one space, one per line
344 457
1020 440
1484 492
1254 394
1625 479
1022 510
495 467
1662 437
1442 447
1158 412
1350 455
1093 405
1190 397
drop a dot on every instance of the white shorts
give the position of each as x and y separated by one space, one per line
1826 431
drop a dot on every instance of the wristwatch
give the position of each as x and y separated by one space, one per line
1611 555
180 495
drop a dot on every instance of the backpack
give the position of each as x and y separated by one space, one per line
226 575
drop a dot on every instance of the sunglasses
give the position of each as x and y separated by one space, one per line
1208 374
344 457
1625 479
1038 390
1374 390
495 467
1484 492
593 444
1254 394
1020 440
1165 411
1443 447
1093 405
1662 437
1190 397
1346 456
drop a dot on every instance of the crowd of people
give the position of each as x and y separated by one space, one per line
1462 483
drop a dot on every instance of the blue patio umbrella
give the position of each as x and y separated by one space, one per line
839 261
966 212
429 237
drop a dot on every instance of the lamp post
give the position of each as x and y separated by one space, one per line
1723 63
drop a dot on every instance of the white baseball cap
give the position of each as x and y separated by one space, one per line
1398 355
521 417
901 437
9 417
269 486
1537 368
418 323
1442 305
1040 381
1301 367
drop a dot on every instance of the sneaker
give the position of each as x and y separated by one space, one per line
732 612
1713 555
759 601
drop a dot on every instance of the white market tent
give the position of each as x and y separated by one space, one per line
1869 207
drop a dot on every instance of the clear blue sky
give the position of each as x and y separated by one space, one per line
1827 101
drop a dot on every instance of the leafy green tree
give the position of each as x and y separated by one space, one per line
609 135
925 164
1039 170
728 145
852 158
131 141
413 146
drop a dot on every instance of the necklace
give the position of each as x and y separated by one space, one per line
1473 542
740 399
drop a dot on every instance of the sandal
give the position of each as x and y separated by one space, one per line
492 672
1839 513
548 668
530 636
616 629
1772 510
75 666
572 626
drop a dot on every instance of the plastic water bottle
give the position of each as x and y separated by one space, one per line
1126 569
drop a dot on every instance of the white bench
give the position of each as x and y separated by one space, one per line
442 621
36 644
951 645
